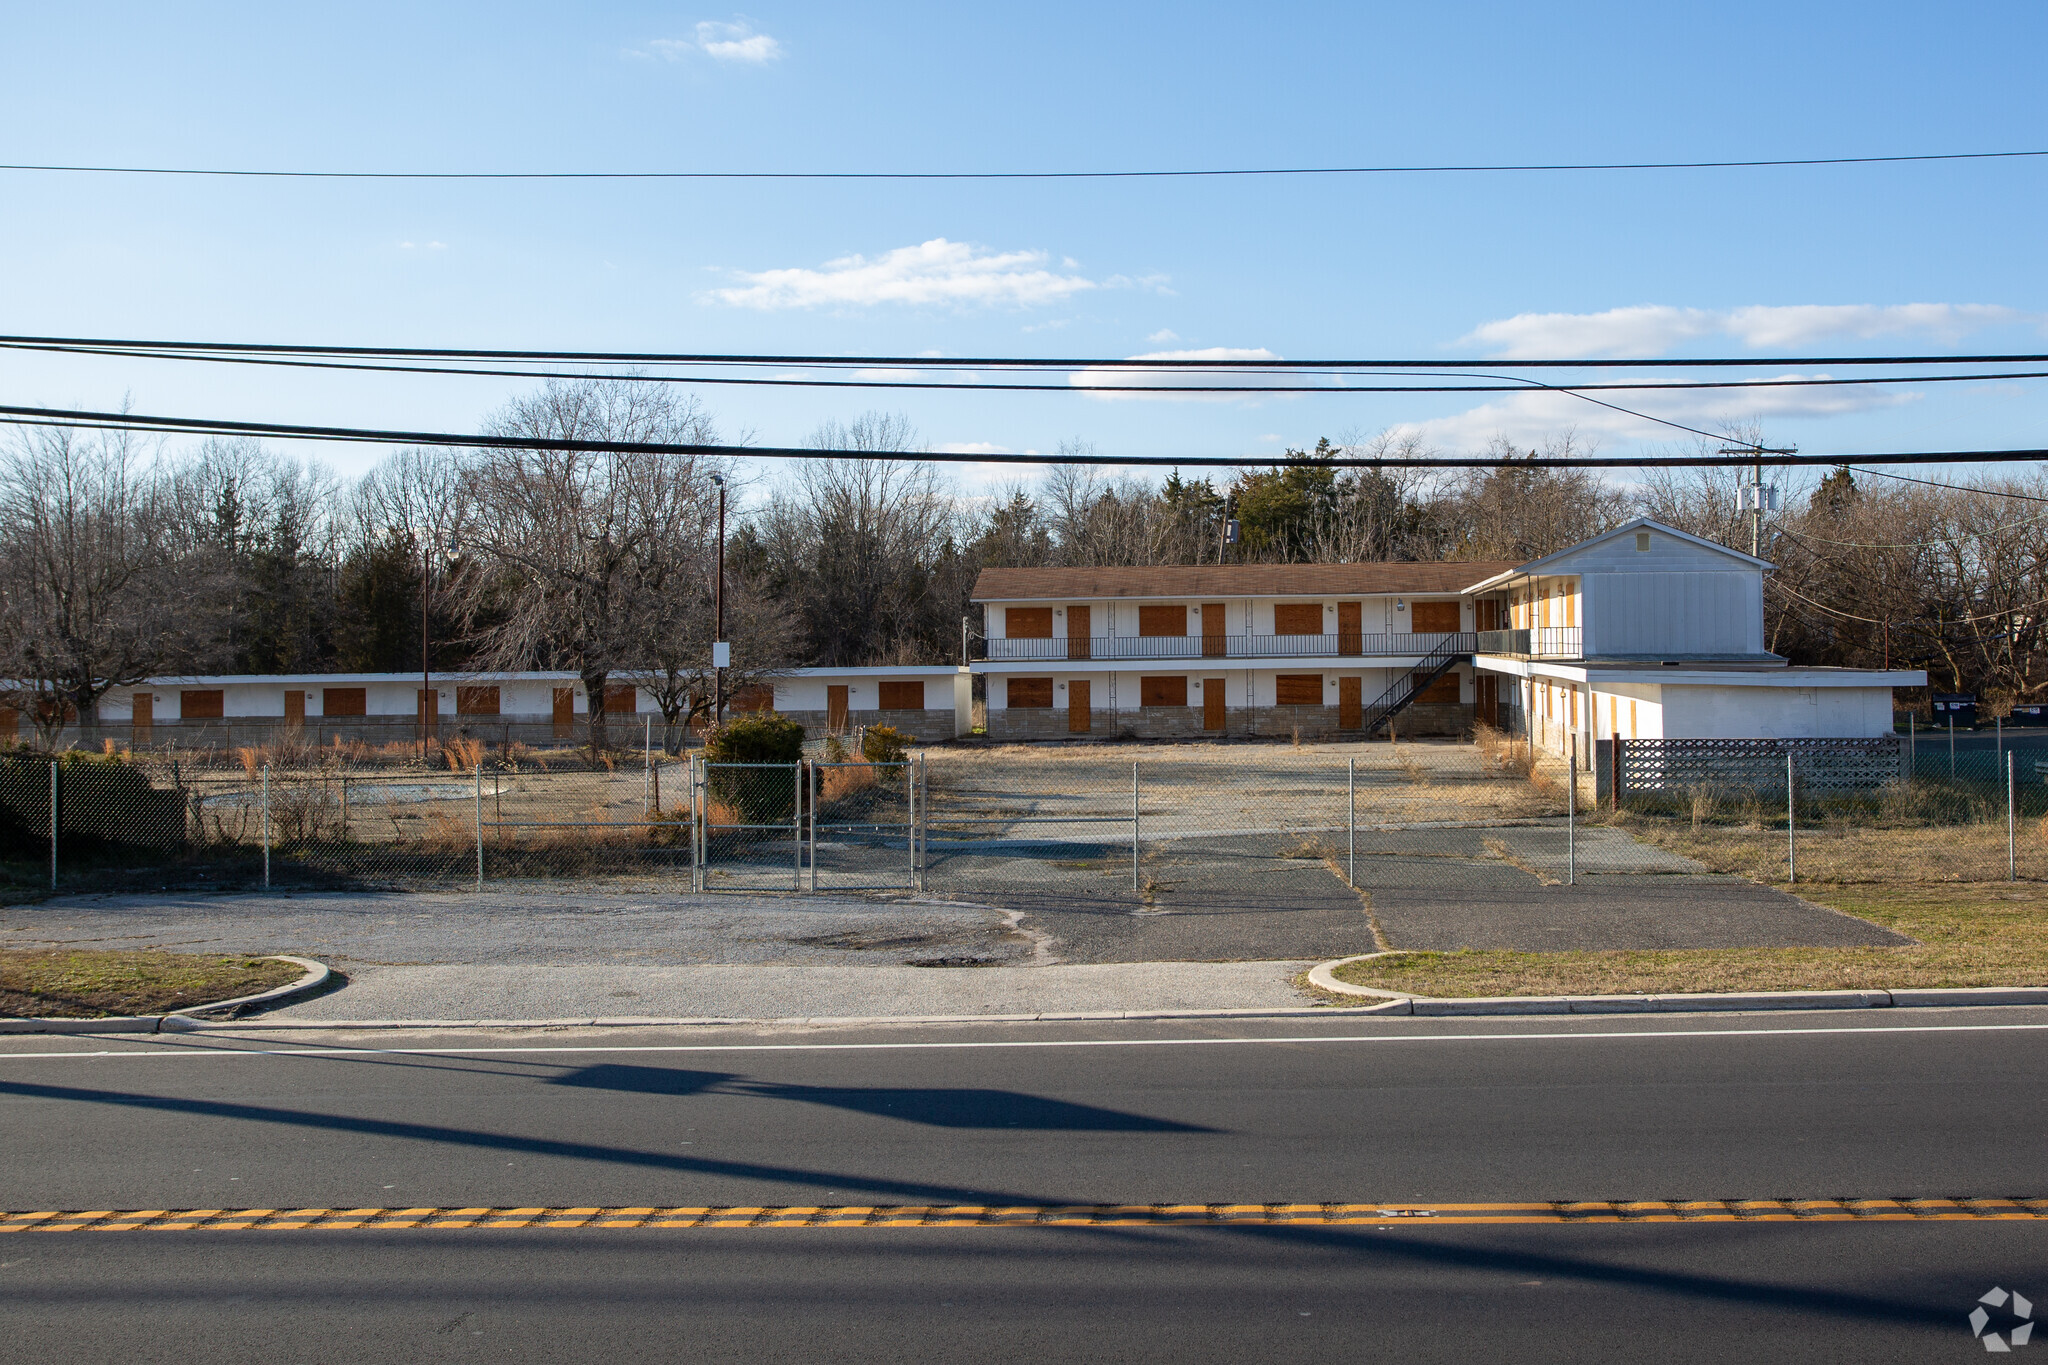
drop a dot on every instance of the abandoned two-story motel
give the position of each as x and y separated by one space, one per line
1645 632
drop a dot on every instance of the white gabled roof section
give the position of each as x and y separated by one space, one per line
1551 562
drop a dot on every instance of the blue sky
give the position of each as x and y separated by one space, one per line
1764 262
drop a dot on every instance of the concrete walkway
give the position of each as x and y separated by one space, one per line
762 991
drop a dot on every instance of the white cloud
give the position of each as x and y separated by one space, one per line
1530 419
971 448
422 246
1166 381
934 272
734 42
1163 336
1653 329
889 376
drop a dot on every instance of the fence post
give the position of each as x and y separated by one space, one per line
266 826
2012 861
479 826
53 824
1571 819
814 827
1791 821
796 824
1134 827
1351 822
924 817
1951 745
698 842
910 822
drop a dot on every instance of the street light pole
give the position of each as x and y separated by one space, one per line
720 650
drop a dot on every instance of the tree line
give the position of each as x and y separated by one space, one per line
120 561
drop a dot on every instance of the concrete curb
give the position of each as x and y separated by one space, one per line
178 1021
791 1021
1397 1002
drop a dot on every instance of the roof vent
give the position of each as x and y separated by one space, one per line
1642 540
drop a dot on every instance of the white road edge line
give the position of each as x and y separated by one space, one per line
190 1050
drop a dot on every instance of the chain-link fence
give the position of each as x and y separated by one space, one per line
1126 828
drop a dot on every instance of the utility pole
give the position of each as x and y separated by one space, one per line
1753 494
429 709
721 651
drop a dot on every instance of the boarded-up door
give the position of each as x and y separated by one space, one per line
145 717
1080 719
295 710
1350 628
835 707
1486 698
1432 617
1212 703
1080 632
565 712
1214 642
1350 703
427 708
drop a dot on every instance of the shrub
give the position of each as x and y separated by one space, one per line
758 796
884 744
763 737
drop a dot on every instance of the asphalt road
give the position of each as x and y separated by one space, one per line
1921 1104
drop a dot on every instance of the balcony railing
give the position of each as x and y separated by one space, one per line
1540 642
1333 646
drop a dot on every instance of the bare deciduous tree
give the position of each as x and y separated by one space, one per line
87 599
577 552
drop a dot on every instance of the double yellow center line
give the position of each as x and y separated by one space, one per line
1033 1215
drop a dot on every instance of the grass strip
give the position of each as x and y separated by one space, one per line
1968 934
63 983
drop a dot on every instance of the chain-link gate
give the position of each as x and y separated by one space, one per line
827 826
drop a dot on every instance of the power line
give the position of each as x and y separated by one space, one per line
1511 384
1189 174
117 421
989 362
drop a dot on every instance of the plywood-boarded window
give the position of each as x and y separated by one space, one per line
1443 689
1158 619
754 697
1028 623
344 701
1026 693
207 705
1433 617
1298 618
1163 691
903 696
1298 689
479 700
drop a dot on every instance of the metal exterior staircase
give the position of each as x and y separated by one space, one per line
1411 685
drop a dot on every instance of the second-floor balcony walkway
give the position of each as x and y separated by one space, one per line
1337 645
1539 642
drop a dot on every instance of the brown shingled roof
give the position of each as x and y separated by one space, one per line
1234 580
